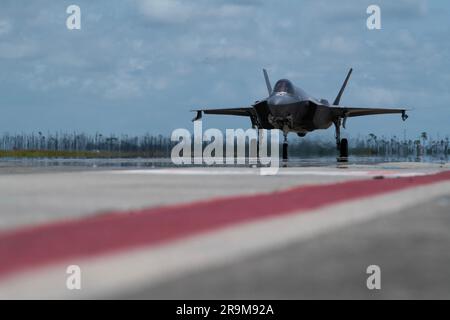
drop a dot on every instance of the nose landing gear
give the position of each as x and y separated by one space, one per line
285 147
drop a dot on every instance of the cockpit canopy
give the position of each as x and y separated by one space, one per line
284 86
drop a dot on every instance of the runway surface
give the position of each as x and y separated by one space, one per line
189 233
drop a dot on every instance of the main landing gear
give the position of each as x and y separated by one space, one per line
285 147
341 145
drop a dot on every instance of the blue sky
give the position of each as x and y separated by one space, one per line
139 66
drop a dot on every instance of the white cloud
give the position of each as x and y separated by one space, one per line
165 51
371 96
406 39
177 11
338 44
5 27
224 52
16 50
122 87
170 11
406 8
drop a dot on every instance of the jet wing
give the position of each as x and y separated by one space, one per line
345 112
243 112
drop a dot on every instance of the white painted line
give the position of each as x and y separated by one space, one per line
306 172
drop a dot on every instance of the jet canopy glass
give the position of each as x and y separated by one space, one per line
284 86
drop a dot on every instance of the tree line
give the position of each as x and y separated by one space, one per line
148 145
160 146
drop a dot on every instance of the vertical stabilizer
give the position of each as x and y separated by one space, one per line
269 86
338 98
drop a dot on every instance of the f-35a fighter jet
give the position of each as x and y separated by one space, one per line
290 109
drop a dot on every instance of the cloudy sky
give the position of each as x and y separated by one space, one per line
139 66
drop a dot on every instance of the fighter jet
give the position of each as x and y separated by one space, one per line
290 109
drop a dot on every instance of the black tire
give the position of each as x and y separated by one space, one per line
285 151
343 149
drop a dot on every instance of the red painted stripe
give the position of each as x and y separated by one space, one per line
37 246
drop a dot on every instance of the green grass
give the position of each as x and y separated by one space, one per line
75 154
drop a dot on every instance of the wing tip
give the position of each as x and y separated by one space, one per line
198 116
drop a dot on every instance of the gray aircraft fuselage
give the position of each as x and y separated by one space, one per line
291 109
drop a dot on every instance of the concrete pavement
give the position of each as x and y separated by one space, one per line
411 247
321 252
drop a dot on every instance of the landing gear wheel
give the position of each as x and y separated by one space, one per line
285 147
343 150
285 151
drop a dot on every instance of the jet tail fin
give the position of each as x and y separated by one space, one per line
269 86
338 98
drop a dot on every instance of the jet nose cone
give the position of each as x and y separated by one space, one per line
279 100
276 100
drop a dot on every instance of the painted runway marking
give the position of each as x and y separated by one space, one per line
151 266
26 248
214 172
